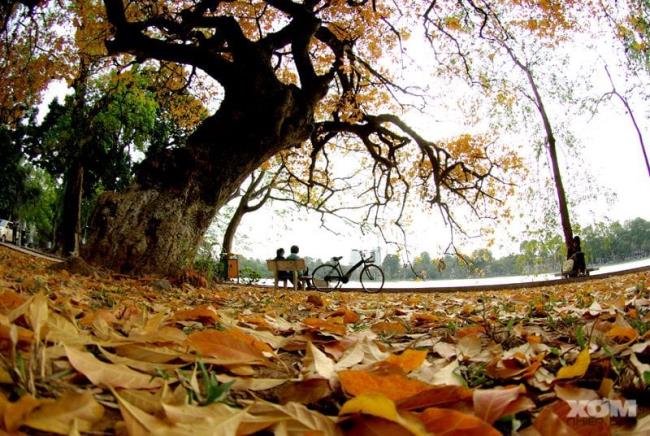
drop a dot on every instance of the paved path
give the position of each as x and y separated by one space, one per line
32 252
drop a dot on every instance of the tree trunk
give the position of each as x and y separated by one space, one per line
71 216
550 142
229 235
157 224
244 206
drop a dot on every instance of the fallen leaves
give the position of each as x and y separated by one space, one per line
106 354
107 374
578 368
393 385
226 347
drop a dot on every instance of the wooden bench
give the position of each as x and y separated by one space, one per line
296 267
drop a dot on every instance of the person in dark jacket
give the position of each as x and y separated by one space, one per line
282 275
575 253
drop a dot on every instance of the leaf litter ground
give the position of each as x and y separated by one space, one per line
108 354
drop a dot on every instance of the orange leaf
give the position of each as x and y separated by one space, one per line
395 386
534 339
338 328
15 413
257 320
408 360
226 347
10 300
349 316
471 330
419 319
622 333
436 396
204 314
449 422
24 335
388 328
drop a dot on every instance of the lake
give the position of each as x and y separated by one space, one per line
602 270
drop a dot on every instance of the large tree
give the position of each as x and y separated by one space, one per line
291 74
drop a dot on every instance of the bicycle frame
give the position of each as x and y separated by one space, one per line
345 277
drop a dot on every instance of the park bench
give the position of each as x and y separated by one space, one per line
296 267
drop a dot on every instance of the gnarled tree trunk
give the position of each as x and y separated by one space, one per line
157 224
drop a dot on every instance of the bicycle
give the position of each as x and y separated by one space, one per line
328 277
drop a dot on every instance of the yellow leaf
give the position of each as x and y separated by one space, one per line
60 416
579 367
381 407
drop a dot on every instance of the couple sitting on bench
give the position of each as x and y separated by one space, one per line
296 277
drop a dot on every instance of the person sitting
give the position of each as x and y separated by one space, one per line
294 256
282 275
575 253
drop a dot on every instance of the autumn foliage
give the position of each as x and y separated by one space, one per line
104 353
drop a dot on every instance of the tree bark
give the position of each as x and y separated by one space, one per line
229 235
71 216
157 224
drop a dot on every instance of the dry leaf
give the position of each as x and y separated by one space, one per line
449 422
436 396
492 404
107 374
381 407
395 386
409 360
72 409
579 367
225 348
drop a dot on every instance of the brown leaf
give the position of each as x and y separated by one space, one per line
15 413
225 348
203 314
110 375
9 301
72 409
491 404
553 421
436 396
304 392
388 328
365 425
449 422
327 325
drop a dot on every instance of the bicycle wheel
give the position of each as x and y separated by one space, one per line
325 278
372 278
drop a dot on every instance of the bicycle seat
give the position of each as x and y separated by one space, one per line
337 258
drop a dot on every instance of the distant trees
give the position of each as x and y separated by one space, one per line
602 244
